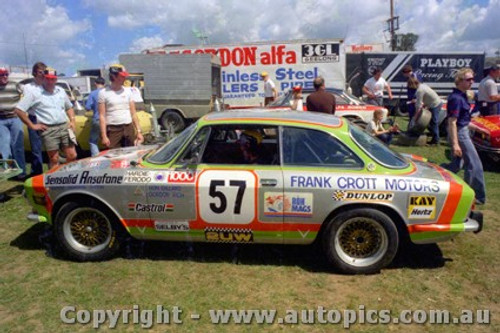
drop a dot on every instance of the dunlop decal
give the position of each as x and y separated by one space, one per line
362 196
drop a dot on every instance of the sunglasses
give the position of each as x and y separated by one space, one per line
4 74
471 79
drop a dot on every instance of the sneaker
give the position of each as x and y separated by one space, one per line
479 202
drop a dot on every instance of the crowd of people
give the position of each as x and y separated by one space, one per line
48 113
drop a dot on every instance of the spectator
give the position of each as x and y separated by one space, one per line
35 87
92 104
408 73
296 102
376 128
425 96
488 96
374 88
11 128
117 113
458 108
52 109
320 100
270 92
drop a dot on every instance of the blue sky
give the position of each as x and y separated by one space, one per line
79 34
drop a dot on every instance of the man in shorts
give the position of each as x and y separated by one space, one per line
52 109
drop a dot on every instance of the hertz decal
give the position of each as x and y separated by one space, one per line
422 207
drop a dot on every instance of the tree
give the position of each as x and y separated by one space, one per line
406 42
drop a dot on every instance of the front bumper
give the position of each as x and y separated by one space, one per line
433 233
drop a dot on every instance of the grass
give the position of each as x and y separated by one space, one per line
35 284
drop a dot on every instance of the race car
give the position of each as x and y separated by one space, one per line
347 105
257 176
488 143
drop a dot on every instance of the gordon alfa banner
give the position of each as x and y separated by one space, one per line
288 63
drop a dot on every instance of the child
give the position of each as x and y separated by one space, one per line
296 102
376 128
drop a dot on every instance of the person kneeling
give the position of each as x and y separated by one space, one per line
376 128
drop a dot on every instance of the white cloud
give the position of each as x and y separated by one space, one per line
143 43
50 35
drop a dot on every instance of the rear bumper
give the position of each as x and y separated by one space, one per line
433 233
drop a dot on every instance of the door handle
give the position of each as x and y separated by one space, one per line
268 182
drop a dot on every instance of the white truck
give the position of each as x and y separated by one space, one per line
289 63
181 88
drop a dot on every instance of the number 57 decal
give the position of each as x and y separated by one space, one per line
227 196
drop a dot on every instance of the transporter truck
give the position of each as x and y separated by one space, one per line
181 87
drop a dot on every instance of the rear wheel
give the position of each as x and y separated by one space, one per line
86 232
172 121
360 241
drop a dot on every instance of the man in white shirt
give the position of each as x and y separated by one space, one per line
488 96
52 109
117 115
374 88
270 92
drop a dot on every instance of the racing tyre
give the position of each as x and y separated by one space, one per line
172 121
360 241
87 232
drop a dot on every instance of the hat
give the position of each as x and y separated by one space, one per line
4 70
492 67
253 136
407 69
264 74
297 88
50 73
118 69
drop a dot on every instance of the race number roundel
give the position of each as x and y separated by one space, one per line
226 196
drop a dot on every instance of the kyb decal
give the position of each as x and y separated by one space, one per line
362 196
290 205
422 207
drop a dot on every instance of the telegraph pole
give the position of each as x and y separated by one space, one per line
392 26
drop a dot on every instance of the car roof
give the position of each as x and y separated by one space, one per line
284 116
335 90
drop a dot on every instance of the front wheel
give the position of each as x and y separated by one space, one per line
360 241
86 232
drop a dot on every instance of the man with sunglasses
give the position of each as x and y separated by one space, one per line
459 110
11 128
35 87
52 109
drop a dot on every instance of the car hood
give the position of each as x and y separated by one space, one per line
488 123
120 158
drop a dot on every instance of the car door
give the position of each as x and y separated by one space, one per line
312 162
236 200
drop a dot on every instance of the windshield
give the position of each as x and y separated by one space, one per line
283 100
170 149
377 149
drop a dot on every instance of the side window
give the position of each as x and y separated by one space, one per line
340 100
240 145
195 148
307 147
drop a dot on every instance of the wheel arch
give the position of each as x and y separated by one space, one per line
84 198
389 211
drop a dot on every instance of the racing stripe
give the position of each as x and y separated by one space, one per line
395 66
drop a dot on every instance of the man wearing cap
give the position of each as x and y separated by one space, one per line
320 100
270 92
488 96
92 104
35 87
11 128
296 102
52 109
408 74
117 115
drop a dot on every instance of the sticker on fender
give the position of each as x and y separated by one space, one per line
422 207
226 196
